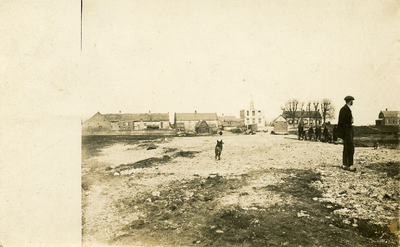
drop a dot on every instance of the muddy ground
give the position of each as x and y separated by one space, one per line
267 190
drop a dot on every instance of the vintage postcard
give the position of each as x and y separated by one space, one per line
199 123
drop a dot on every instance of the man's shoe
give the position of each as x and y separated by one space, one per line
346 168
352 169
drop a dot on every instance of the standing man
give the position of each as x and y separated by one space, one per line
334 134
300 130
318 131
345 128
310 132
325 133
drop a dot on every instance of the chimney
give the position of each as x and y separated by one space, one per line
195 111
119 112
386 109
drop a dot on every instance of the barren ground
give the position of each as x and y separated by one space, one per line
267 190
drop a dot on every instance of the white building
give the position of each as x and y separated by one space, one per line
253 116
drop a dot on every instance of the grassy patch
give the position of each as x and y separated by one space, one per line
298 184
187 212
392 169
91 145
186 154
150 162
177 212
146 163
170 150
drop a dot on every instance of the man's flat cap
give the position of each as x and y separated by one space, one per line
348 98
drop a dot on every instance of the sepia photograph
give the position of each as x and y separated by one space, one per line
199 123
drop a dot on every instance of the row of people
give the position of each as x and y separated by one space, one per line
316 133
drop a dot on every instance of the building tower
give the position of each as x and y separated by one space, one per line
253 118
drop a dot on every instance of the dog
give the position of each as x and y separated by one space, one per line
218 149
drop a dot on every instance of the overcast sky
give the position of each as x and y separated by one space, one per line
209 56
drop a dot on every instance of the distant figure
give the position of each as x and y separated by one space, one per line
220 132
334 134
345 127
310 132
300 130
325 134
218 149
330 139
318 131
376 145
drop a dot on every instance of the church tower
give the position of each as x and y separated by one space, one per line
253 118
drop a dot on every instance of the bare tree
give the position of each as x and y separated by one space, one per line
301 110
327 110
308 109
291 108
316 104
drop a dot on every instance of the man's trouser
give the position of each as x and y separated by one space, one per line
348 147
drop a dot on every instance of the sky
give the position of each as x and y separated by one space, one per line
208 56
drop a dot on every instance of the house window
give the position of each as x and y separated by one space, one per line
248 120
296 121
247 113
290 121
254 113
259 120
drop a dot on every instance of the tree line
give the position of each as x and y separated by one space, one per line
310 109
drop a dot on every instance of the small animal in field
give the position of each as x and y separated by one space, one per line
376 145
218 149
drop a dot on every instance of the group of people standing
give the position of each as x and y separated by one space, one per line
314 133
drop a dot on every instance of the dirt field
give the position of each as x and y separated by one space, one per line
267 190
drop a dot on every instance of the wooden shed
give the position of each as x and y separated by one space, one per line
280 125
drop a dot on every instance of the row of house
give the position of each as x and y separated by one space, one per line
125 122
256 118
185 122
210 122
